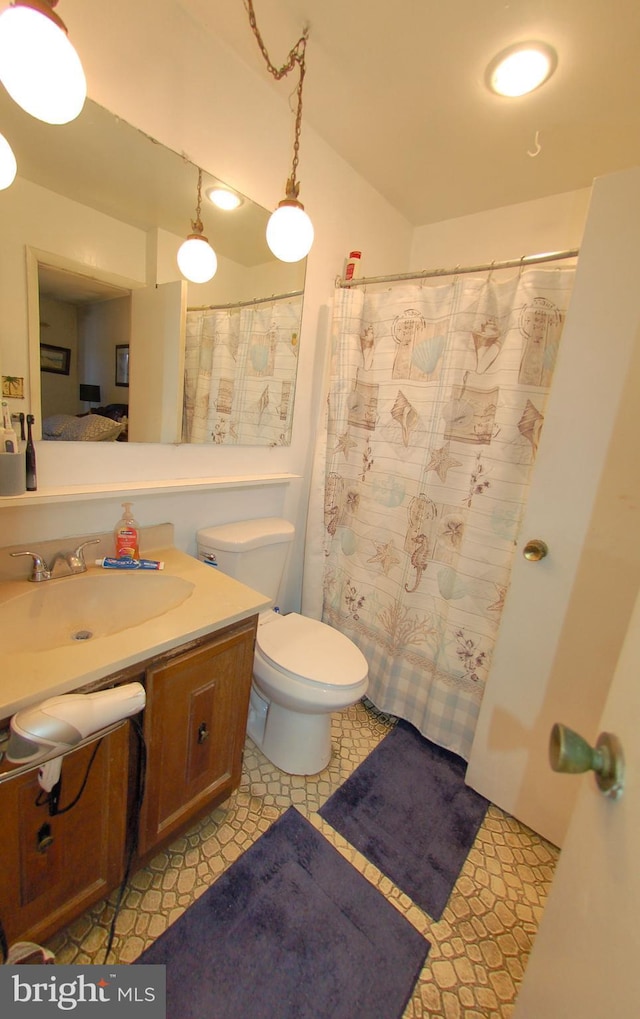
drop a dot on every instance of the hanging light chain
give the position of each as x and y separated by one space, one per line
196 223
292 185
296 53
296 57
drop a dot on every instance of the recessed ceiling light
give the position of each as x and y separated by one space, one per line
521 68
223 198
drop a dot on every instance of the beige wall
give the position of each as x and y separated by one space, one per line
555 223
34 217
59 328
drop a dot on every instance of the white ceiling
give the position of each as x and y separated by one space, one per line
397 88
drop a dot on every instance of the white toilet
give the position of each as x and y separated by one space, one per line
303 669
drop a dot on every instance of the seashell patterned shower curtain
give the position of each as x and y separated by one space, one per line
240 372
435 405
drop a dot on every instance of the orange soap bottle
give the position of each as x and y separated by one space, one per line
127 535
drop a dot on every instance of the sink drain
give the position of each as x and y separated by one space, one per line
82 635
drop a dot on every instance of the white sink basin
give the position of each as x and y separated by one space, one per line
78 609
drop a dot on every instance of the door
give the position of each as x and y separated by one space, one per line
585 958
156 367
565 616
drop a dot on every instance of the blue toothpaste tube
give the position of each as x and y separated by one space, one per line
110 563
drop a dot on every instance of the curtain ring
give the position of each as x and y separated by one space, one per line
490 276
521 269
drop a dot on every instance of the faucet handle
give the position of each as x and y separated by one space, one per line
76 559
91 541
40 569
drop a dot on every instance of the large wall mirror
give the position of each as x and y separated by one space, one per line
119 346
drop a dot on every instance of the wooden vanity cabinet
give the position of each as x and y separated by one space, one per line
53 868
195 725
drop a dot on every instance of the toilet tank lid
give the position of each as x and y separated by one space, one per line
241 535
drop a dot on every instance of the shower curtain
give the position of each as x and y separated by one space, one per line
240 369
436 400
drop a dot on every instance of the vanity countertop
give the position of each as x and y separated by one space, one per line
216 601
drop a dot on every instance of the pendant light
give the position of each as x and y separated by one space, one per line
196 258
289 230
39 67
8 166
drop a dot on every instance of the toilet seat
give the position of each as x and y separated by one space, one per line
311 650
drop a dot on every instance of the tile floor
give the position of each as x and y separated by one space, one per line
479 947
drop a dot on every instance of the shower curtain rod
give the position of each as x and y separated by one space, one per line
246 304
511 263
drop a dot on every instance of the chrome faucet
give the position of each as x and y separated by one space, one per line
74 560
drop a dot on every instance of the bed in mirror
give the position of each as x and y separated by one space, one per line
104 208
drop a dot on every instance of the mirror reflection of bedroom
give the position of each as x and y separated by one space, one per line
84 344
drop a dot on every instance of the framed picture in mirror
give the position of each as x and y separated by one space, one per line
122 364
55 359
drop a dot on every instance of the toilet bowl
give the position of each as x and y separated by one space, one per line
303 669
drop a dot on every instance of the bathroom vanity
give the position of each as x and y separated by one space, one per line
195 662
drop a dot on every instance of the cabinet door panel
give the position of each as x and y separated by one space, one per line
195 725
53 868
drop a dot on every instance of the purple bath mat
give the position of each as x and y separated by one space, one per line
407 810
290 931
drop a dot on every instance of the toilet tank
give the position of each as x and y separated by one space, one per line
252 551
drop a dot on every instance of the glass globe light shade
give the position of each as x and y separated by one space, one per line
289 232
197 260
39 67
8 165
